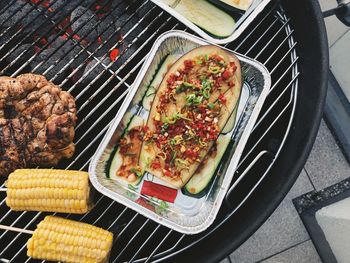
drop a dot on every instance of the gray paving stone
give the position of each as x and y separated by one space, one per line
281 231
302 253
335 29
326 164
339 61
225 261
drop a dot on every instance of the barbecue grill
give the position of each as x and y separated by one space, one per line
94 49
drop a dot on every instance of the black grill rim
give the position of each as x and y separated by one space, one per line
310 33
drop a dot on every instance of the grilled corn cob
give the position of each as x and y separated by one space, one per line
48 190
59 239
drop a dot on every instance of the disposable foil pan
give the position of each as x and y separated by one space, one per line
242 21
187 214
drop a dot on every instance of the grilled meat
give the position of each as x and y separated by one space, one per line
37 122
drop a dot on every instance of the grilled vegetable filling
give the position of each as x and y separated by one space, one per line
187 115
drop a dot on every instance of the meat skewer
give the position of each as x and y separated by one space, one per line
64 240
48 190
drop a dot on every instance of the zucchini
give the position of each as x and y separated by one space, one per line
152 89
117 159
197 185
207 16
230 124
237 5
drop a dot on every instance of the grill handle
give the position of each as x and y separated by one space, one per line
342 12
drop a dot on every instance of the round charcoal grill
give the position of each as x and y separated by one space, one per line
94 49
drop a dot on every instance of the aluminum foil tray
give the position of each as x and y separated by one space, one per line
187 214
243 18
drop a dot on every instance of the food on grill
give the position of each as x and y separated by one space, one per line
59 239
37 122
48 190
238 4
192 105
204 174
125 161
205 15
152 89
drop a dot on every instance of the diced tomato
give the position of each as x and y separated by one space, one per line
226 74
222 98
171 79
114 54
233 66
167 173
145 128
160 191
188 63
155 165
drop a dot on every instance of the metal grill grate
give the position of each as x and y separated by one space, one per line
75 54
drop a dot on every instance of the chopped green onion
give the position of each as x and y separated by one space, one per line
211 105
136 171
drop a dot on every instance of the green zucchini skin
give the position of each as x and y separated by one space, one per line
224 5
152 89
197 186
116 160
207 16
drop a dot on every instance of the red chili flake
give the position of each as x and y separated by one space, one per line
145 128
155 165
159 191
99 40
114 54
226 74
188 63
222 98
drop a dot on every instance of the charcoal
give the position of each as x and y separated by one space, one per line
63 8
13 14
24 57
86 20
67 51
50 58
96 71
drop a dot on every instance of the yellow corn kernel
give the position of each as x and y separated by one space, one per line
48 190
87 244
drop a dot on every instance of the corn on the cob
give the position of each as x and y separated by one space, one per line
59 239
48 190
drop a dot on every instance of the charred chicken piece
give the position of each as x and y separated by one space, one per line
37 121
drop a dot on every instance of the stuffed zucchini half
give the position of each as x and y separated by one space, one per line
191 107
207 16
124 166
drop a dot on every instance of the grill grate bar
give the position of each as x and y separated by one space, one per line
52 26
144 243
132 239
123 80
275 101
104 56
288 36
158 246
8 5
69 37
263 34
83 37
272 39
14 12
